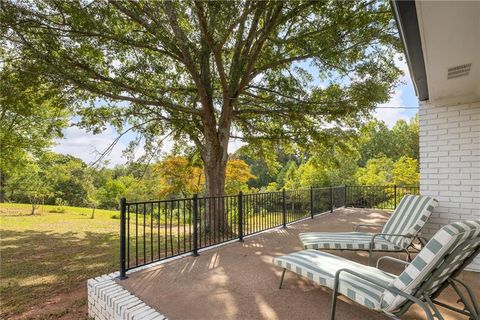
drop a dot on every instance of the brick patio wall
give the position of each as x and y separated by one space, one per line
107 300
450 163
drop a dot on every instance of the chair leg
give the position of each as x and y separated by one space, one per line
334 298
409 256
281 280
436 312
370 257
473 308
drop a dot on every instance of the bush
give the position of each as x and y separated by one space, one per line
60 203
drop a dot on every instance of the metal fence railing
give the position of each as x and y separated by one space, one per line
151 231
377 197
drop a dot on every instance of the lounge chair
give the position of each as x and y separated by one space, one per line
435 267
397 234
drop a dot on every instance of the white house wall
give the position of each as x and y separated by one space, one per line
450 163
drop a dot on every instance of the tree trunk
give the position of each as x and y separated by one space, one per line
2 186
215 158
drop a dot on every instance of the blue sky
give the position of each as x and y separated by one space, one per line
81 144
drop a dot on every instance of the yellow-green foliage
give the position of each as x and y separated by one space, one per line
378 171
384 171
405 171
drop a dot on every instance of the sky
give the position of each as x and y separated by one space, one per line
79 143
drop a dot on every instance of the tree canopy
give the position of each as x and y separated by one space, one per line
203 72
33 111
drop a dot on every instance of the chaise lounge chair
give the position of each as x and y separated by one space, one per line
398 233
436 266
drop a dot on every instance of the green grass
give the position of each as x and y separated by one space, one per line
49 254
52 254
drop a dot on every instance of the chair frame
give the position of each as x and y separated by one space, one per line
370 251
472 308
424 301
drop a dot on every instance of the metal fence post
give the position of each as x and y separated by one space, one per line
395 196
284 209
240 216
123 265
195 225
311 202
345 197
331 199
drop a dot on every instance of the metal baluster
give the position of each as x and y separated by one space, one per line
195 224
123 268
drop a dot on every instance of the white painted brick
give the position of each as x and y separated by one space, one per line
430 138
450 170
458 107
460 141
108 300
459 164
450 163
430 148
460 153
439 165
437 187
430 116
447 125
459 130
458 121
459 176
460 188
438 132
439 154
448 147
450 159
449 113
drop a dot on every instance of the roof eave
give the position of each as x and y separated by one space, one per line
407 22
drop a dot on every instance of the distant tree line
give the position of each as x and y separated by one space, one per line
376 156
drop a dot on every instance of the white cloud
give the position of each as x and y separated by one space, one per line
82 144
390 116
235 144
394 109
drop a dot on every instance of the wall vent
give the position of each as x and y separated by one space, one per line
459 71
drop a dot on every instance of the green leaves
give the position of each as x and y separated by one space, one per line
269 70
33 113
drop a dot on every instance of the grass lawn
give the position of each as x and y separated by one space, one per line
46 259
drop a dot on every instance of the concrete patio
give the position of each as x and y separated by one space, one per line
238 280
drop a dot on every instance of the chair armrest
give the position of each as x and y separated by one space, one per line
381 285
423 241
358 226
391 258
376 235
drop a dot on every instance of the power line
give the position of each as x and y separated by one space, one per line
396 107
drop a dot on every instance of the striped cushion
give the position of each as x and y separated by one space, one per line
408 218
345 240
321 267
433 263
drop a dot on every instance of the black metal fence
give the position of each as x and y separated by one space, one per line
377 197
151 231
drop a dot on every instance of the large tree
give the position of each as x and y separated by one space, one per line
204 72
33 112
